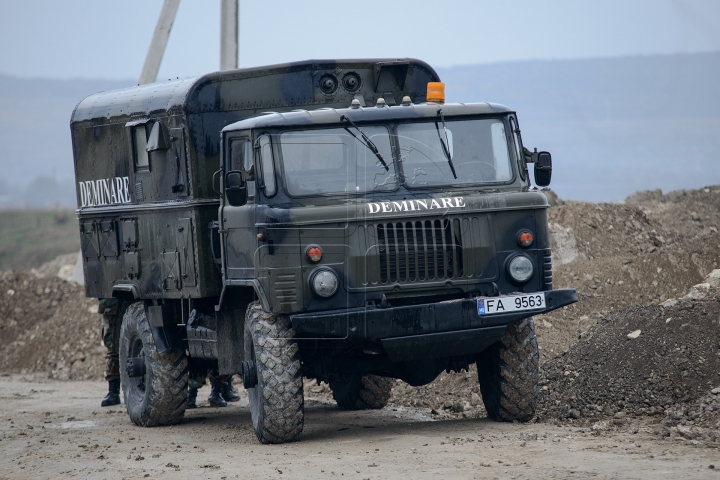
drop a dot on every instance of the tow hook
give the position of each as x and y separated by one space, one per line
249 374
135 367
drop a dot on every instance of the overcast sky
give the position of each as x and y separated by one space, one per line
104 39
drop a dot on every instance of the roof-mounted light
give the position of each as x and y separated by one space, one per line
436 92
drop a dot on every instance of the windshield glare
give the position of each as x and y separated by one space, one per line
336 160
478 148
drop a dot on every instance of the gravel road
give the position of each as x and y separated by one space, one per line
51 429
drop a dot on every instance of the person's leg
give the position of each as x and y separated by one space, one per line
217 383
108 307
196 380
228 392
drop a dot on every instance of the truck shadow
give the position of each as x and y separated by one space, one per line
326 423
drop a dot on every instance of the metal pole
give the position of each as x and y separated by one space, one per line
159 42
229 35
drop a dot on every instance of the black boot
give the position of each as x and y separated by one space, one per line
113 396
215 398
192 398
229 393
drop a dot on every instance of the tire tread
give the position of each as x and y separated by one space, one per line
509 371
279 371
165 397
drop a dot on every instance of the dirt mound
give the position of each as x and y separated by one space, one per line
640 361
621 255
62 266
685 212
49 328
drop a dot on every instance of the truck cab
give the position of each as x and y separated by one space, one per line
396 241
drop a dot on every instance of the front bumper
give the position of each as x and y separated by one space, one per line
428 330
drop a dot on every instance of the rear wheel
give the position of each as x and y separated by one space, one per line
157 397
355 392
277 405
509 371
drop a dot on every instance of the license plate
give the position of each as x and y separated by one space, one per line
510 303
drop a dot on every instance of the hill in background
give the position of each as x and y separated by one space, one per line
614 126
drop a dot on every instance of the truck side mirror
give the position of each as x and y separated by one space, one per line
235 188
543 169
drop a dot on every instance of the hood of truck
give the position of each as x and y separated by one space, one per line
322 211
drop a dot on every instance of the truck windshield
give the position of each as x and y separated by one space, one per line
336 160
478 148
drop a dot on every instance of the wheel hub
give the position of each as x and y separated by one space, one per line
135 367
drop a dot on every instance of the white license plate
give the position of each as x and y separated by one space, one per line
510 303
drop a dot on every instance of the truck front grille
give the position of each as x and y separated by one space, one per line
420 250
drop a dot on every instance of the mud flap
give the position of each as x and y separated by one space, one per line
165 332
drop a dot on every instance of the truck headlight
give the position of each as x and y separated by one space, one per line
324 282
520 268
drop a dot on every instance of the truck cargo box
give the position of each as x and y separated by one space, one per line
145 158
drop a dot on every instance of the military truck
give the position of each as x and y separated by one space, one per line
333 220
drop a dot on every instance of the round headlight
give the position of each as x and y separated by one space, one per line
324 283
520 268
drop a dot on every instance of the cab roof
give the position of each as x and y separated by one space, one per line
365 114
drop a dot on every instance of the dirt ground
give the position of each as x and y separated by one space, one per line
51 428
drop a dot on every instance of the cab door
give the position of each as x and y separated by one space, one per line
237 218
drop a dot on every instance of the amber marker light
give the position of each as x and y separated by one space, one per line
435 92
314 253
525 239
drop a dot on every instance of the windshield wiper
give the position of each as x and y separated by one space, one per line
368 143
445 146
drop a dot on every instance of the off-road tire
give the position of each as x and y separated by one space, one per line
277 404
160 397
508 372
355 392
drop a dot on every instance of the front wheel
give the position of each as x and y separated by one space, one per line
509 371
157 397
277 404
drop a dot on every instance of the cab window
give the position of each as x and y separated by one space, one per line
241 158
268 167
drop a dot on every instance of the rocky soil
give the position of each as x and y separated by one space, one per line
654 361
49 327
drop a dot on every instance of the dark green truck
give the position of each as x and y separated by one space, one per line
318 219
